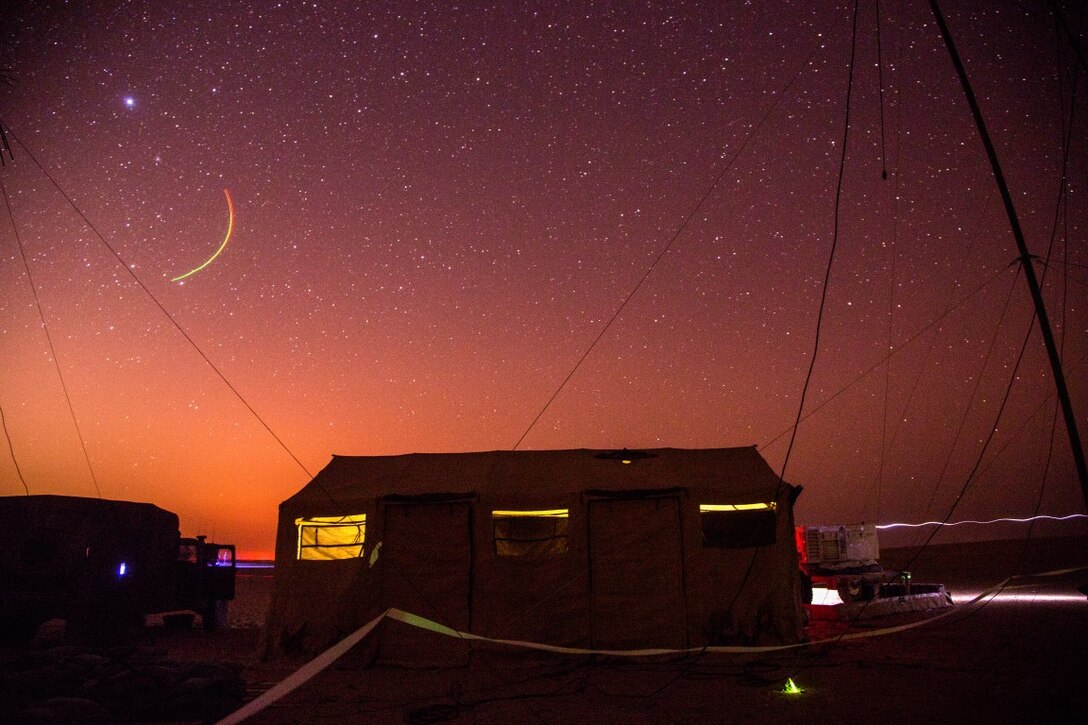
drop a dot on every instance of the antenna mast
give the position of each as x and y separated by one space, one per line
1025 257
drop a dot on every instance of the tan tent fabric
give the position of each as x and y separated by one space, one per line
636 556
427 560
622 562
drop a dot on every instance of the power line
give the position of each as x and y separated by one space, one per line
48 336
676 235
834 245
158 304
974 392
880 84
892 353
11 449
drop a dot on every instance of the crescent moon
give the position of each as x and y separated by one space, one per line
230 228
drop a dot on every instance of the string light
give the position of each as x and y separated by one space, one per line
991 521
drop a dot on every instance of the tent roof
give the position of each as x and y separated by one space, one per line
537 478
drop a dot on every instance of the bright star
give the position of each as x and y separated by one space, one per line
130 102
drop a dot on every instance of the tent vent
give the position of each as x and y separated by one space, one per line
625 456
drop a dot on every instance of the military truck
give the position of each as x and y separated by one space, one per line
841 558
102 565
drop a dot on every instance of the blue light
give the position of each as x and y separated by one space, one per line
122 569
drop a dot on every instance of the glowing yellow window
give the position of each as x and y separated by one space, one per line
737 525
331 537
705 507
530 533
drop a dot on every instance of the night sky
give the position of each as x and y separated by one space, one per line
438 208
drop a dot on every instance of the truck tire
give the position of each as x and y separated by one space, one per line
19 629
215 615
856 590
178 621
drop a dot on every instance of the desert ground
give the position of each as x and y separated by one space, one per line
1018 657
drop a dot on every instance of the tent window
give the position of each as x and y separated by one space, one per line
321 538
737 526
530 533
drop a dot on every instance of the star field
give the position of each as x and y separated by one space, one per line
439 208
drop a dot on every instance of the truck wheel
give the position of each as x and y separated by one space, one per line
856 590
215 615
19 631
177 621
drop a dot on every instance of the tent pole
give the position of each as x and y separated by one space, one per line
1025 257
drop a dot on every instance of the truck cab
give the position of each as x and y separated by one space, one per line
205 579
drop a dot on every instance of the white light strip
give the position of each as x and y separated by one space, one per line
332 654
1027 597
830 597
991 521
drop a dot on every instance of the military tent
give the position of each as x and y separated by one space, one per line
664 548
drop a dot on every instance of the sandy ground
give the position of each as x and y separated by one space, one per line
1018 658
